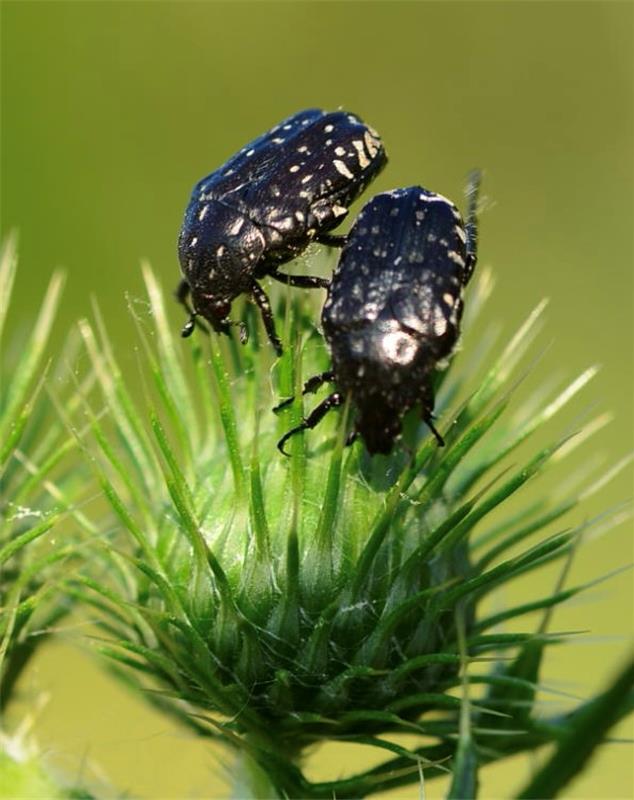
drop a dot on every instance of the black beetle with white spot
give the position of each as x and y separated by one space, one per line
265 205
393 310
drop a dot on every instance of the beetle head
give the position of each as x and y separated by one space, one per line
215 309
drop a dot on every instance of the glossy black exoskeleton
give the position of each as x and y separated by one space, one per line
393 310
265 205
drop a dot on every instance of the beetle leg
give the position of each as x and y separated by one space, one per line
264 305
428 419
331 239
315 416
311 385
471 225
225 327
303 281
182 294
427 412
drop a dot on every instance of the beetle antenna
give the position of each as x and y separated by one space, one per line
244 332
188 327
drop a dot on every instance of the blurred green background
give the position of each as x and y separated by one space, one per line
111 111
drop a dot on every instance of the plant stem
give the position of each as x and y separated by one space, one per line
251 782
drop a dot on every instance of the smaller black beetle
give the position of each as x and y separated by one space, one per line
393 310
265 205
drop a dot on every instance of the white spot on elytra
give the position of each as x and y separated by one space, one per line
329 128
250 152
399 347
372 144
299 216
237 225
438 198
306 178
279 140
363 159
339 211
455 257
294 168
460 233
448 298
340 151
440 323
342 169
203 212
220 250
193 241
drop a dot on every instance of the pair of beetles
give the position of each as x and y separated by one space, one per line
394 303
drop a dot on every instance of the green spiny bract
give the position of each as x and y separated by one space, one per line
37 488
277 603
41 489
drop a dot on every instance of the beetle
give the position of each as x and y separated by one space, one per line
265 205
393 310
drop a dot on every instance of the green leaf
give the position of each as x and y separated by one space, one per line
464 782
590 729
